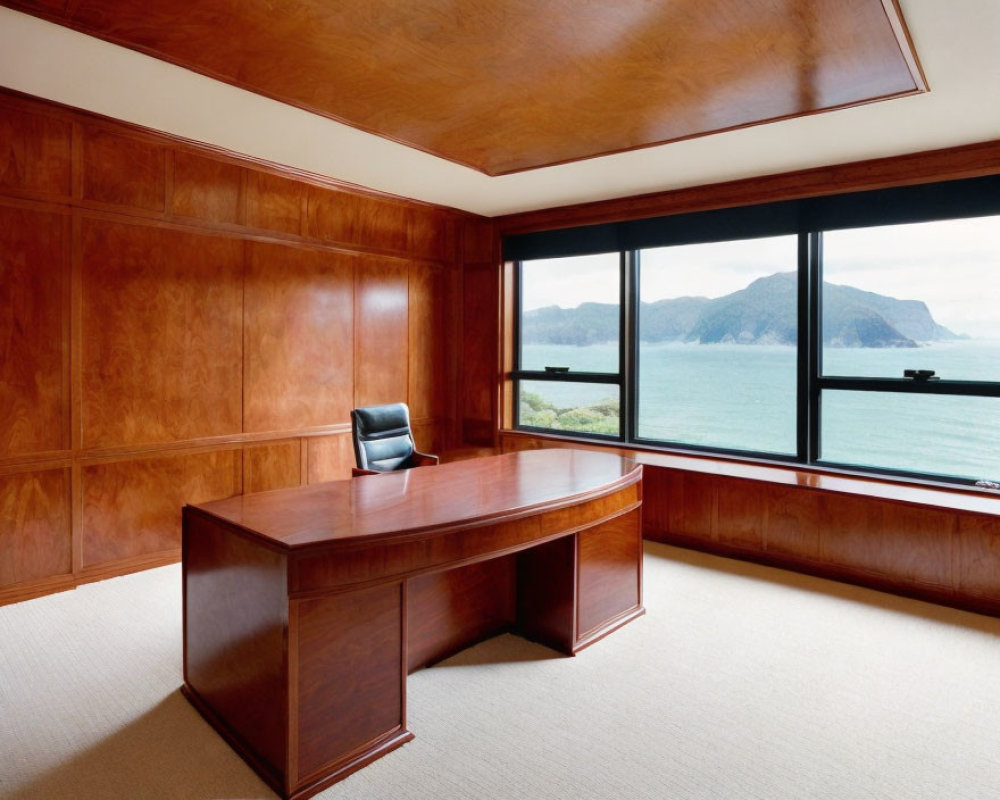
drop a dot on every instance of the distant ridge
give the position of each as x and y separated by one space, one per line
762 313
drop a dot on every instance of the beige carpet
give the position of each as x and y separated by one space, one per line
741 682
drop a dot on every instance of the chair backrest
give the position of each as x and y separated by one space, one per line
382 437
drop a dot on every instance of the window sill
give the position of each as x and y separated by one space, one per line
946 496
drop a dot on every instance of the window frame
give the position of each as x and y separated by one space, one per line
855 383
518 375
879 207
663 444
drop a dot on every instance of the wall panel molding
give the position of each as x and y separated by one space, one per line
37 152
298 325
381 332
34 331
161 335
35 540
132 508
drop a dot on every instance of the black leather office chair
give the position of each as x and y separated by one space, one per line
383 441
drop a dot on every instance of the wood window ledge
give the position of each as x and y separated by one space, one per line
944 496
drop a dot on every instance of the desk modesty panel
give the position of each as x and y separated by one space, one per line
305 608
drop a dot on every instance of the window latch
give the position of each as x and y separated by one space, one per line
919 374
557 369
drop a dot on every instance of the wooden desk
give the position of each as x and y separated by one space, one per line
305 608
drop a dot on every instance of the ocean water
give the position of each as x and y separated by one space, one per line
743 397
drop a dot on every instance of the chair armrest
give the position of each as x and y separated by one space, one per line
424 459
356 472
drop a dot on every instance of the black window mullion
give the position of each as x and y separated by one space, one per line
611 378
910 386
518 316
814 339
629 362
803 368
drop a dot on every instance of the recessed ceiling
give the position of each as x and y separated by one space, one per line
509 85
958 43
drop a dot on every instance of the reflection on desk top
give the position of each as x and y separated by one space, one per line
448 496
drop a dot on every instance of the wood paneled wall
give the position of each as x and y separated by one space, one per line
917 542
179 324
481 373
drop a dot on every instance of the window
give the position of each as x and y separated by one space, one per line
956 436
570 345
717 345
921 299
944 281
857 331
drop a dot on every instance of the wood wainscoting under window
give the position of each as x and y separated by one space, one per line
931 543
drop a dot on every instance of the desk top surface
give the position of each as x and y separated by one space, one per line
448 496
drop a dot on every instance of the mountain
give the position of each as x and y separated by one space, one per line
762 313
665 320
588 323
911 318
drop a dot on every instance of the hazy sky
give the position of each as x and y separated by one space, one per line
953 266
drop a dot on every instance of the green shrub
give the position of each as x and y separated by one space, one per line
538 412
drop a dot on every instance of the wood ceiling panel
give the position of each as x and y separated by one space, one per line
508 85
